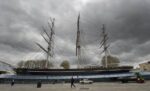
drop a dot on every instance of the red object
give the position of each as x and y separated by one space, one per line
139 80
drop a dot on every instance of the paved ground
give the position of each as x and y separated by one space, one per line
90 87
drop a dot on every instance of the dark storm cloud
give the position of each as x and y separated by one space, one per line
127 23
134 20
15 25
124 19
21 24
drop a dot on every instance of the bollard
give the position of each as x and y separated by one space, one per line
39 84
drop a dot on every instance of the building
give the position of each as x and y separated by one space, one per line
145 66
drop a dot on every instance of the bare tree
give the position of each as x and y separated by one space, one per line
20 64
65 64
34 64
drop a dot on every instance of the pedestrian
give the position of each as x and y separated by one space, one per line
12 83
72 82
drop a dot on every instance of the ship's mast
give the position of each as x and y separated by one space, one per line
104 45
49 39
78 46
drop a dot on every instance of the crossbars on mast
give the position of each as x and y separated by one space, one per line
78 47
49 39
104 44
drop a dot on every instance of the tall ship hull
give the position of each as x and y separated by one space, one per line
73 72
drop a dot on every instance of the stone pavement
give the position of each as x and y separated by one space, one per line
101 86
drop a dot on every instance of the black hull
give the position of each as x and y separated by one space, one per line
72 72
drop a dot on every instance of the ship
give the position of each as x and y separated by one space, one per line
79 71
74 72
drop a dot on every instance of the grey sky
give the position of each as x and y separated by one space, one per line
127 23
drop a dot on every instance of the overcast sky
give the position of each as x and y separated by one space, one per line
127 24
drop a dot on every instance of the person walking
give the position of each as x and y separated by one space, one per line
12 83
72 82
